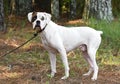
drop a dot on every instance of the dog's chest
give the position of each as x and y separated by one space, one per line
47 44
45 40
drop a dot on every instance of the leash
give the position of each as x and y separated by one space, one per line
34 35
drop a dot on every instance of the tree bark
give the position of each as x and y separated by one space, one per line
1 16
12 7
23 7
55 9
73 9
101 9
43 6
86 10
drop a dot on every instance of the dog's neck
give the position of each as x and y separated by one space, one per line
48 28
43 28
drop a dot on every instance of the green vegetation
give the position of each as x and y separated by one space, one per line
111 34
109 52
33 60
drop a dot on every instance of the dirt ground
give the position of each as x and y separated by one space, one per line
26 74
22 72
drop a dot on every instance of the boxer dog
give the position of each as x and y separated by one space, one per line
60 39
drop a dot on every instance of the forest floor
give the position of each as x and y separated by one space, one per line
30 64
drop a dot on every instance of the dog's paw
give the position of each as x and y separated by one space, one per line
94 78
52 74
86 74
64 77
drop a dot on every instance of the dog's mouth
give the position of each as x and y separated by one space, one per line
37 28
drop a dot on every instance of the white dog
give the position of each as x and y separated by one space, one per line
56 38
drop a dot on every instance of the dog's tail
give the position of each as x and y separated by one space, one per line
100 32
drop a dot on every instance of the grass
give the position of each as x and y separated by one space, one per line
33 56
109 52
111 33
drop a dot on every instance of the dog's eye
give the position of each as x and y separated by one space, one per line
42 18
34 18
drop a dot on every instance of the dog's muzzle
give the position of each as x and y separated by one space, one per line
37 24
38 27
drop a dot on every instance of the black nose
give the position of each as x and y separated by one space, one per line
38 22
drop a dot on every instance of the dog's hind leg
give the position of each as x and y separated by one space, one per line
87 58
92 55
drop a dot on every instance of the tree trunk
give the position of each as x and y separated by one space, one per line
1 16
73 9
12 7
55 9
86 10
43 5
101 9
23 7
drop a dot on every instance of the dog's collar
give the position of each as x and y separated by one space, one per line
42 29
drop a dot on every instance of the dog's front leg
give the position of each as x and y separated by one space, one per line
53 63
65 63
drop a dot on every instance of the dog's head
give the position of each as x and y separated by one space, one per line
39 20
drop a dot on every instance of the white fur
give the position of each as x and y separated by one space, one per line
56 38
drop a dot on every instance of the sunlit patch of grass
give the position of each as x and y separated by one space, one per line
112 62
106 60
7 74
11 75
109 59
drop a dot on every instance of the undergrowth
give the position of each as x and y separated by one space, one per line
34 55
109 50
111 33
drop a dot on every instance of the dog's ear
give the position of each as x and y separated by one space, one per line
48 15
30 16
